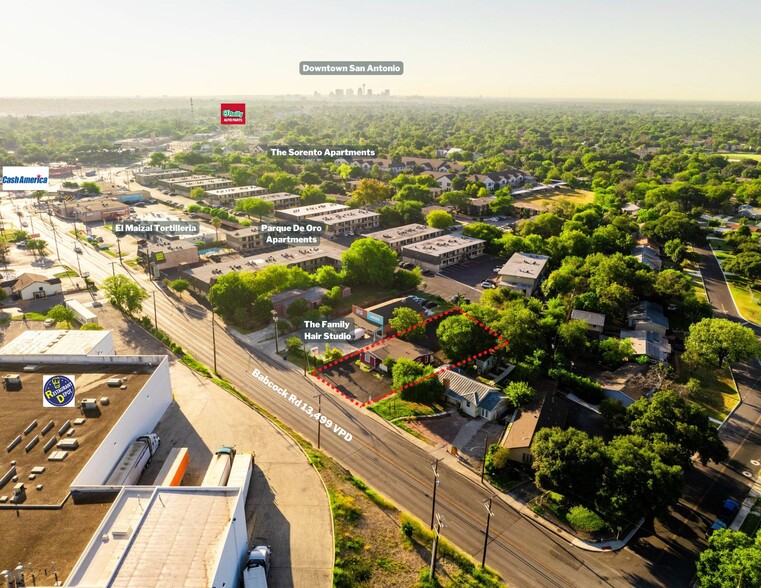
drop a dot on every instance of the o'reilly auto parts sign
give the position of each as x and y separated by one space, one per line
232 113
25 178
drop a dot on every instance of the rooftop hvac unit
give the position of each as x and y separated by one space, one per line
12 382
114 382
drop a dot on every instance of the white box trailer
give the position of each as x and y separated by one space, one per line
219 468
240 473
127 471
257 567
174 468
81 313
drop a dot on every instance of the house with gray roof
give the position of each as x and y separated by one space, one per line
648 316
472 397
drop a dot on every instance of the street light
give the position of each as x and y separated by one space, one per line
274 320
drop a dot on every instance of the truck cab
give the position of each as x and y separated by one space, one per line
257 567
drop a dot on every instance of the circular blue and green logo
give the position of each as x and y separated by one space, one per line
58 391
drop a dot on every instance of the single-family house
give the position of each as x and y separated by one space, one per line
631 209
648 316
648 255
749 211
595 320
549 409
396 349
312 296
443 179
472 397
30 286
649 343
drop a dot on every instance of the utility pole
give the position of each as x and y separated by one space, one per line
274 320
435 466
488 520
55 235
113 269
119 246
155 314
434 551
213 340
483 463
319 412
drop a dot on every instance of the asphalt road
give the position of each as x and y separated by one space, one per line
523 553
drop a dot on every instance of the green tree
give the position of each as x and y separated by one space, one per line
614 352
483 231
312 195
254 206
414 192
545 225
732 560
216 222
241 175
197 193
278 182
438 219
456 198
461 338
297 309
369 262
124 293
309 177
91 187
408 322
572 338
519 394
746 264
503 201
425 389
568 461
158 159
179 285
91 327
328 277
667 415
370 191
715 340
62 314
672 225
405 280
676 250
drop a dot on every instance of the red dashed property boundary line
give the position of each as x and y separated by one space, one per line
501 342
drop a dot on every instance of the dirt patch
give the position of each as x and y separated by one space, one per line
357 383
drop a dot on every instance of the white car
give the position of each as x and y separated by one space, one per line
487 285
497 269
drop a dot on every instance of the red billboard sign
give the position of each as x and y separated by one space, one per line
232 114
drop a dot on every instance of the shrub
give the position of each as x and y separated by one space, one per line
583 519
293 344
519 393
496 458
582 386
407 529
345 508
693 386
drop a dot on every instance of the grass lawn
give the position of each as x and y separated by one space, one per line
587 525
548 198
717 395
737 156
748 300
30 316
394 407
69 273
363 296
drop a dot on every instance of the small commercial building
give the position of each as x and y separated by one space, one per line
307 212
230 195
132 196
347 221
89 210
395 349
441 252
62 343
472 397
30 286
312 296
523 272
398 237
169 255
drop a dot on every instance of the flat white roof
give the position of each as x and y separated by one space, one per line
443 244
235 190
315 209
344 215
55 342
158 537
524 265
404 232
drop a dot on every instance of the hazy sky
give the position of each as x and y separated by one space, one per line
638 49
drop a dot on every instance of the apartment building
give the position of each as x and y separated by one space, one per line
440 252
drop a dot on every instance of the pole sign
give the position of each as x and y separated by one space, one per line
232 114
58 391
25 178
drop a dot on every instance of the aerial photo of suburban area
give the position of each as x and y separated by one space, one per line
400 295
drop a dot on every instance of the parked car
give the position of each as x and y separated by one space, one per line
77 249
497 269
49 322
430 304
487 285
427 272
141 204
24 224
165 192
728 510
21 245
173 193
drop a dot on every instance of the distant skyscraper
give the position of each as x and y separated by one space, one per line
369 91
349 92
359 91
387 92
339 92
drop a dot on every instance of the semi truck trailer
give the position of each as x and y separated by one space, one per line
127 472
256 568
219 468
